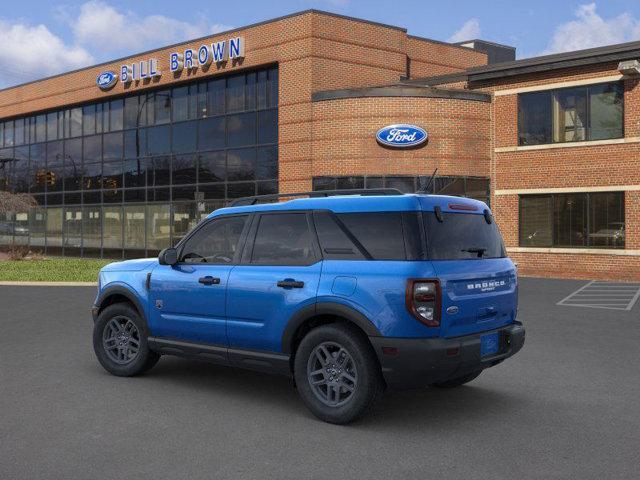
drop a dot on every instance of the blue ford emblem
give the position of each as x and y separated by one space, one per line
106 80
401 136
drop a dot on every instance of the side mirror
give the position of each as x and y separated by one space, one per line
168 256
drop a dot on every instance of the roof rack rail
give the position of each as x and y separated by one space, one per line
318 193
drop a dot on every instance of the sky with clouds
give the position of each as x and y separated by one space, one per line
39 38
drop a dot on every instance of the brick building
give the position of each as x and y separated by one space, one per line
124 157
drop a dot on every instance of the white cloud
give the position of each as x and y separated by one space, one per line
591 30
469 31
98 32
104 29
28 52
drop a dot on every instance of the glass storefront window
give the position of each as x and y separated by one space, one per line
472 187
92 229
54 227
72 230
184 136
112 228
158 227
184 220
37 227
96 168
134 228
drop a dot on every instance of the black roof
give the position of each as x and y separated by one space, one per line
590 56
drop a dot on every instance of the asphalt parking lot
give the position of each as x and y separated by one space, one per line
568 406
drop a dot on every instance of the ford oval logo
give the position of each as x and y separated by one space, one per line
106 80
401 136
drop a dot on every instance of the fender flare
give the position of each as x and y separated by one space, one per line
326 308
125 292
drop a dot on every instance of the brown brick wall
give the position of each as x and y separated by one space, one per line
566 167
344 136
585 266
315 52
429 58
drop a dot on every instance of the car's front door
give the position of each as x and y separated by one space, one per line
278 275
188 299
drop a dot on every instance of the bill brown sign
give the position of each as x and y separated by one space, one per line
189 59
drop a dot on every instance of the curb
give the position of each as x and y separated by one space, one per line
49 284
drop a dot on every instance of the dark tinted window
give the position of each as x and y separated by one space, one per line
283 239
534 118
593 112
216 242
379 233
536 217
334 242
462 236
573 220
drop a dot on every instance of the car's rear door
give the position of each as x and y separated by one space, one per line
188 299
278 275
478 281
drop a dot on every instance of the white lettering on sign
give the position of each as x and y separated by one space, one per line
401 135
217 52
139 71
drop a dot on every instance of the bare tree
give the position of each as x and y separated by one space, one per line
16 202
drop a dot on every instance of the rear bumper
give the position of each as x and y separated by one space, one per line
418 362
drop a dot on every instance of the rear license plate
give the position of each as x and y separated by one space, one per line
489 344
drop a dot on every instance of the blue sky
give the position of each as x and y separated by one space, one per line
43 37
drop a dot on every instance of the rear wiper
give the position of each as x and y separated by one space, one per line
479 250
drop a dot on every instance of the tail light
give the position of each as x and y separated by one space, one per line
423 301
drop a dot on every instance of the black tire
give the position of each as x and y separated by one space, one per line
143 359
361 361
456 382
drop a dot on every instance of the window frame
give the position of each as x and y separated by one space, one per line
247 253
241 241
588 196
552 93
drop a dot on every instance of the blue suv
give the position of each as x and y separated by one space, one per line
347 293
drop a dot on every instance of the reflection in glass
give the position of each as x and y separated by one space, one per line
241 164
211 133
184 219
54 227
134 227
241 129
92 228
158 227
37 226
112 227
72 228
211 167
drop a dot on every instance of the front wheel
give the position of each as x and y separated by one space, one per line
120 341
337 373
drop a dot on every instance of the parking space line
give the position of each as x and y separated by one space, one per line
577 291
612 296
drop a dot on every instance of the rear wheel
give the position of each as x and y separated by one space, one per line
120 341
456 382
337 373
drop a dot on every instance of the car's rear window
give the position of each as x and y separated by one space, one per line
462 236
380 233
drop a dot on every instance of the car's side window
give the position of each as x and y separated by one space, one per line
283 239
216 242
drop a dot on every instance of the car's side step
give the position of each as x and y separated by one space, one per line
269 362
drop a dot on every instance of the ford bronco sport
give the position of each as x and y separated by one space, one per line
347 292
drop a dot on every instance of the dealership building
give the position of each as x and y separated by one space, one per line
125 157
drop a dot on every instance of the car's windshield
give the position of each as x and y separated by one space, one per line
461 236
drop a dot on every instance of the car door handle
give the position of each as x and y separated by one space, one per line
290 283
209 280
